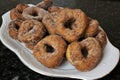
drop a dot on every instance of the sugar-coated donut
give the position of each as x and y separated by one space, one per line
84 63
34 13
31 31
13 28
50 51
71 24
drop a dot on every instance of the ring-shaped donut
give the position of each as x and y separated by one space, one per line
71 24
50 51
84 63
31 31
34 13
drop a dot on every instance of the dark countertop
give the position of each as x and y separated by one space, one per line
107 12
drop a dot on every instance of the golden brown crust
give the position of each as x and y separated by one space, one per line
49 21
92 28
31 31
102 38
14 27
75 57
76 20
34 13
50 59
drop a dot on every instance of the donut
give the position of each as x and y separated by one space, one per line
13 28
31 31
49 21
16 13
92 28
84 55
54 9
50 51
34 13
45 4
71 24
102 38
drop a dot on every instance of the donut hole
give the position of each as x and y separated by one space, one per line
17 26
84 52
20 11
68 23
81 38
49 48
34 13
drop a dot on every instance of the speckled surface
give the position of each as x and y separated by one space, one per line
107 12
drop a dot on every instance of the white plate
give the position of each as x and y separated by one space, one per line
107 64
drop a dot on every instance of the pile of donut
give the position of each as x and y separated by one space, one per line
53 33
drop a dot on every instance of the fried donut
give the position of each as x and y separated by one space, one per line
31 31
92 28
14 27
34 13
16 13
102 38
71 24
81 62
54 9
49 21
45 4
50 51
